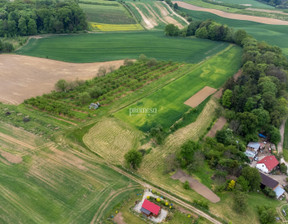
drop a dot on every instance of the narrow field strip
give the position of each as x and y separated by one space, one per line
228 15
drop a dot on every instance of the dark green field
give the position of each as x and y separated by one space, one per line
111 46
272 34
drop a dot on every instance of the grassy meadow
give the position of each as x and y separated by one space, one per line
170 99
272 34
51 181
111 46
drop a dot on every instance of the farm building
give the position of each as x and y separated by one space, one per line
272 184
267 164
252 150
148 208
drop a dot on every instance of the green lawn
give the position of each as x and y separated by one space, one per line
108 14
169 101
272 34
115 46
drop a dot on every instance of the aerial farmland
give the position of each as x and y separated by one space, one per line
121 111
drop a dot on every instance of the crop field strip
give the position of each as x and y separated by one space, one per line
154 14
272 34
52 182
169 100
231 9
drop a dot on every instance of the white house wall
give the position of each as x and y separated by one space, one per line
262 167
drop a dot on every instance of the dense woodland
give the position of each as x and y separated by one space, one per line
36 17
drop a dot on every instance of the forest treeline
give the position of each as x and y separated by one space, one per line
276 3
257 101
22 18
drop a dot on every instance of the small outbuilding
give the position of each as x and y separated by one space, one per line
267 164
272 184
150 209
253 146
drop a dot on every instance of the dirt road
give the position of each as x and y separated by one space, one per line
282 131
196 186
23 77
228 15
170 197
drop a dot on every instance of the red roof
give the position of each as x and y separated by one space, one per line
270 162
151 207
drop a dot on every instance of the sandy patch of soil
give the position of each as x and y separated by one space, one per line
218 94
148 23
196 185
200 96
217 126
23 77
237 75
233 15
119 219
10 157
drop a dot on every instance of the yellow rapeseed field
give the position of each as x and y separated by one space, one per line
115 27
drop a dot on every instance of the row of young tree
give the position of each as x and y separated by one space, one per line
33 17
207 29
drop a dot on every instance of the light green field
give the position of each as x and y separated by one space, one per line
115 46
169 101
52 185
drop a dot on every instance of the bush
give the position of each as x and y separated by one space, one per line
186 185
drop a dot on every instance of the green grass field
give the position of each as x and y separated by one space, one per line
52 185
111 46
272 34
169 100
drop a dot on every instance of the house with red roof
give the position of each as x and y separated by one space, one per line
148 208
267 164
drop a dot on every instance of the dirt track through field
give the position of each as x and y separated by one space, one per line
200 96
23 77
228 15
217 126
196 185
148 23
